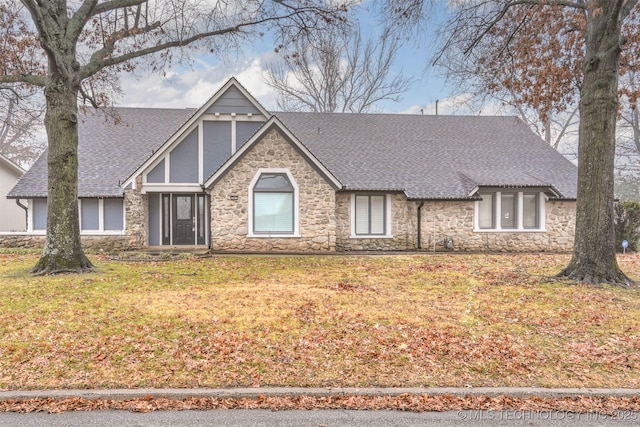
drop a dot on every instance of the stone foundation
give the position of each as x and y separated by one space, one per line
89 243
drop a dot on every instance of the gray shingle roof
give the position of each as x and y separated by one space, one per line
108 152
431 157
427 157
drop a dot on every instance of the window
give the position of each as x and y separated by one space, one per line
99 216
370 215
510 211
39 214
530 210
486 207
273 204
89 214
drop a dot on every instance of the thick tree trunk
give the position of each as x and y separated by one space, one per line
594 256
62 249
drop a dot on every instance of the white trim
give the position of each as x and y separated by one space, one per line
171 188
200 151
14 166
226 117
30 208
186 128
387 219
257 137
160 223
101 231
296 204
497 213
234 143
24 233
101 214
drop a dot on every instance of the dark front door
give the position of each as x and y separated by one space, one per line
184 218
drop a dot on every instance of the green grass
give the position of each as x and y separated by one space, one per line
411 320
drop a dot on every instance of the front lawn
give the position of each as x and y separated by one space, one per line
402 320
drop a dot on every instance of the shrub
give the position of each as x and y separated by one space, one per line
627 223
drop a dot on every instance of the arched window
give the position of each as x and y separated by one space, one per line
273 204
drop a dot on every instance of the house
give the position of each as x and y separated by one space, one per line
12 216
235 177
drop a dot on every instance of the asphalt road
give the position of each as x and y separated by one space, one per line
319 418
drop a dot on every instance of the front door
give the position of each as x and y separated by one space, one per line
184 219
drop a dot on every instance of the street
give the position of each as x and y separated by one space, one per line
319 418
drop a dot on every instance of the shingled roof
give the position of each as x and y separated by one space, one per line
426 157
111 146
432 157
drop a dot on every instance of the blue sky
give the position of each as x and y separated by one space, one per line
192 86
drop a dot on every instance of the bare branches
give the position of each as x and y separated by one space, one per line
337 73
117 32
21 114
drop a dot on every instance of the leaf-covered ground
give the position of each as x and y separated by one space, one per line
340 321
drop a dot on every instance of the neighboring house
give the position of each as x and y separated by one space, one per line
12 216
233 176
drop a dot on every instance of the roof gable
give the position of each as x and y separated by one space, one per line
273 123
111 145
232 98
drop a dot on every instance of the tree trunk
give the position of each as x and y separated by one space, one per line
594 256
62 249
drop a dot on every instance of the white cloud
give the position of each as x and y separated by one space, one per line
193 86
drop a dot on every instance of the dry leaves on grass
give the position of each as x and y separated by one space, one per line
334 321
406 402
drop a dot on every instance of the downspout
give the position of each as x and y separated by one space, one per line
26 213
420 224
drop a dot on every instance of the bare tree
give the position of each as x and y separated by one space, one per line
21 126
584 39
69 48
337 72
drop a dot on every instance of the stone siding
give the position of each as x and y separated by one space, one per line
136 207
403 227
453 220
317 202
89 243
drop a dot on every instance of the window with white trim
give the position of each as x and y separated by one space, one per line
99 216
273 204
510 211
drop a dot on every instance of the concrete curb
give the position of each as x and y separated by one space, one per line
252 393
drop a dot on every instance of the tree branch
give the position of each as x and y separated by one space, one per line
101 59
23 78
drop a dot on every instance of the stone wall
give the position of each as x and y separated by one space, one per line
454 220
89 243
403 227
317 202
136 207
